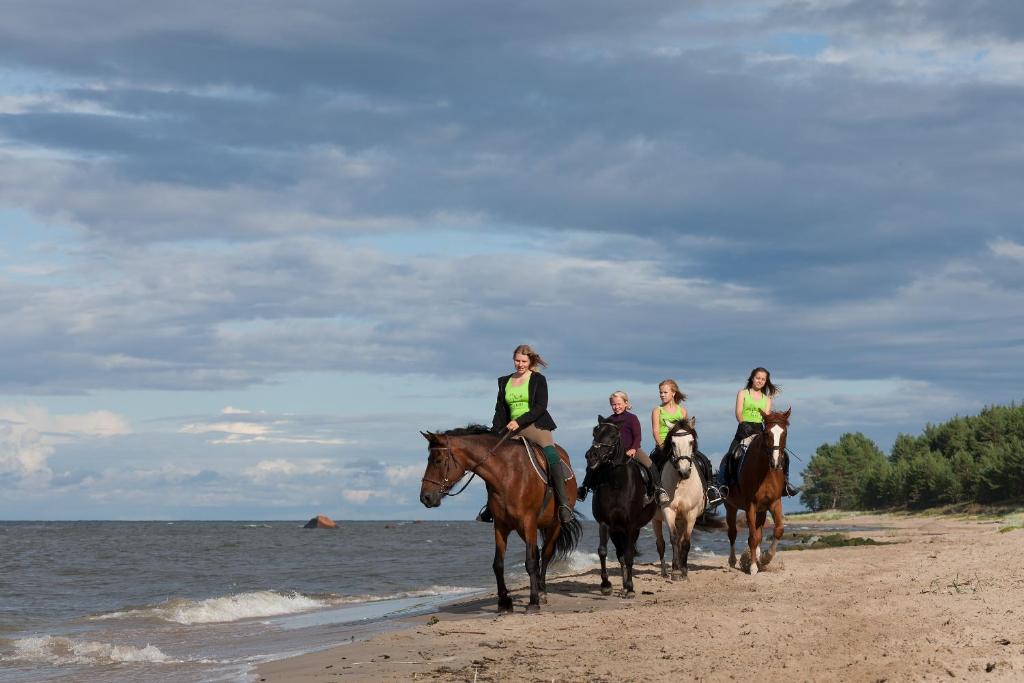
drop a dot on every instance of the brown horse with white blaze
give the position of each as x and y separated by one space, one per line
517 495
761 485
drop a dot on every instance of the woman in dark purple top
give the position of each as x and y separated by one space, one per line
629 432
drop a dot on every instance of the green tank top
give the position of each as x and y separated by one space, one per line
750 407
666 420
518 398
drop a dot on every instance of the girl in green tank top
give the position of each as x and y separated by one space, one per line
518 398
669 412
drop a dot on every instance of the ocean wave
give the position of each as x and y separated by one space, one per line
223 609
261 604
63 651
577 561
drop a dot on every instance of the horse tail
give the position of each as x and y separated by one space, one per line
569 539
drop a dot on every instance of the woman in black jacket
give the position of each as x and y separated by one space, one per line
522 408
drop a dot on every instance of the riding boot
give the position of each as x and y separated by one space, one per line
654 488
558 484
788 489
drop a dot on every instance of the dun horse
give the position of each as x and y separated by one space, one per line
760 489
618 503
517 494
685 486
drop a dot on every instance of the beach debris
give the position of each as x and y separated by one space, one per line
432 620
321 522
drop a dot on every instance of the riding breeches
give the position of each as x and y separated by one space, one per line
642 457
541 437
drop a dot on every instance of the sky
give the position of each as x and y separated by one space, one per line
251 249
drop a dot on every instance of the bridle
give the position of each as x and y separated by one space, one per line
605 451
779 448
676 458
446 484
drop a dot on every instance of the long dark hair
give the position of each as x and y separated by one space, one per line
769 388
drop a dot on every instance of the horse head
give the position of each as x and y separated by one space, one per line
443 471
682 441
606 444
776 425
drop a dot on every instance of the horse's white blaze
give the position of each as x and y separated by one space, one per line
776 432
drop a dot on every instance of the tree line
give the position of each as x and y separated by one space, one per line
967 459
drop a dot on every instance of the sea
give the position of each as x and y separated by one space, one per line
155 602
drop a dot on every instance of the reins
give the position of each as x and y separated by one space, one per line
447 485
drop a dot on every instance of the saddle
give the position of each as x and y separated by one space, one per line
540 464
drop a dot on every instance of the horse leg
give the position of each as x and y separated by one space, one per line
547 552
687 538
671 519
602 552
500 542
627 567
532 567
755 520
660 540
776 510
730 518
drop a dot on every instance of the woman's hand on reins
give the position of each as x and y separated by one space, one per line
512 426
631 452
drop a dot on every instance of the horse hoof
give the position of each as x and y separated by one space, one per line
629 595
678 575
732 562
753 569
606 590
533 609
543 598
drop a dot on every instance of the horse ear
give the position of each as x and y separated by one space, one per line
692 422
601 420
790 410
427 435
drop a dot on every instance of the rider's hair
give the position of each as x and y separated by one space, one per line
769 388
679 396
624 396
535 360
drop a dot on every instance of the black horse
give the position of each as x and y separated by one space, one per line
618 503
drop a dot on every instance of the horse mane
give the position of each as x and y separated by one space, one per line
468 430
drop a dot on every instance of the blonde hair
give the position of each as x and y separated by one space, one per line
624 396
535 360
679 396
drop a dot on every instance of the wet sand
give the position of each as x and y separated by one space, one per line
944 601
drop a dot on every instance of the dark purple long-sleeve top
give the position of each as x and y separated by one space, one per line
629 429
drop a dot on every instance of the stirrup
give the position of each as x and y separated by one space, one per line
485 515
661 495
717 494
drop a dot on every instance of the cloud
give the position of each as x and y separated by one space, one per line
30 435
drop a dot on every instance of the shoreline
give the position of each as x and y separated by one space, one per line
942 599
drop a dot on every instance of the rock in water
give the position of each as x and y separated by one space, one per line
321 522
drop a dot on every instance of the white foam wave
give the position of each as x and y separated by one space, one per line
223 609
578 561
262 604
62 651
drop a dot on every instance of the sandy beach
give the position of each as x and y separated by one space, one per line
943 600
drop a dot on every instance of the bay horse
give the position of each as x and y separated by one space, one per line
517 495
686 486
618 503
759 491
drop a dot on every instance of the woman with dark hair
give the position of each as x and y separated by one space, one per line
522 409
750 401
